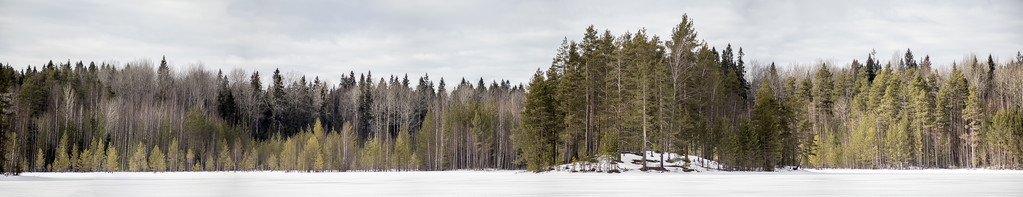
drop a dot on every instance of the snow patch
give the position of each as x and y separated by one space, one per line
633 162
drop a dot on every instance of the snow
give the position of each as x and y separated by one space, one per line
632 162
519 183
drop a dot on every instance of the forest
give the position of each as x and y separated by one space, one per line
601 96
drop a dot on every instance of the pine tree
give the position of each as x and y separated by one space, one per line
310 159
210 163
226 162
8 138
112 162
403 152
920 107
887 129
62 161
272 163
426 141
173 156
76 159
609 144
98 155
538 136
249 163
40 161
909 61
138 161
190 162
369 156
7 146
1006 130
86 157
572 98
823 97
765 121
288 156
157 160
973 115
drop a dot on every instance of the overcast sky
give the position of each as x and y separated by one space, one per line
489 39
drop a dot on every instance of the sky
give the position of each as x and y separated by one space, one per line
492 40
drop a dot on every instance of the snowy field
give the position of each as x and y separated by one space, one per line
518 183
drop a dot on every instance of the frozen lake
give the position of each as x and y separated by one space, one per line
516 183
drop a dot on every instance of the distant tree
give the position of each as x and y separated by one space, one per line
288 157
909 61
226 105
80 157
537 140
272 163
138 161
765 120
157 160
226 163
191 164
40 161
249 163
823 97
174 162
370 156
973 115
112 162
405 158
98 155
873 66
310 158
62 161
8 137
9 164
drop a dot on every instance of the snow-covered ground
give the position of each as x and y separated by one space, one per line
518 183
633 162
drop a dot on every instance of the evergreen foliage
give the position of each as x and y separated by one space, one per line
112 162
157 160
138 160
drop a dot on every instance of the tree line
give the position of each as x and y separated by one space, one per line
635 92
601 96
77 116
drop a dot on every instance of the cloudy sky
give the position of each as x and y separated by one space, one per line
488 39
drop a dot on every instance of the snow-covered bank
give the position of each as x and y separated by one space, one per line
633 162
914 171
518 183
